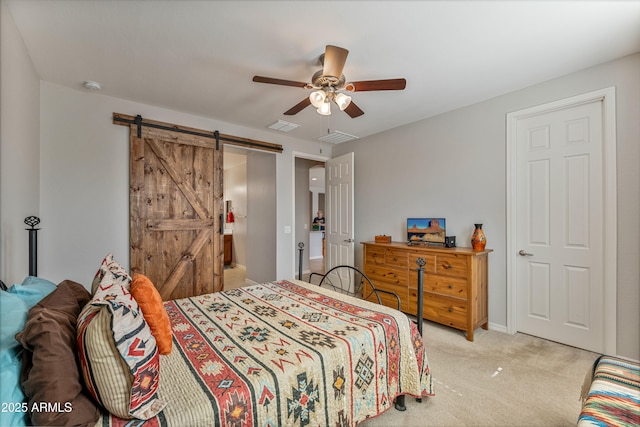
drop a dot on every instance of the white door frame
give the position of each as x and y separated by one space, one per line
608 98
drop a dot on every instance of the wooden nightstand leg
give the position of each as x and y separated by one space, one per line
470 335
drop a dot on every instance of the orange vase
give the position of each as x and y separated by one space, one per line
478 239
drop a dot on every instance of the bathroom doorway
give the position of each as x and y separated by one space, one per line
309 199
250 216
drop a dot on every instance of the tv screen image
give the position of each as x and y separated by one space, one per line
426 230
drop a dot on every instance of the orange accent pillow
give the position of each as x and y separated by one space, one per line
150 302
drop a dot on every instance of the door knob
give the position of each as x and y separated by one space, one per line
349 240
524 253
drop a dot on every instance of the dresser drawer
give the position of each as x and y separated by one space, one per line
447 311
386 274
430 261
443 285
374 255
396 257
451 265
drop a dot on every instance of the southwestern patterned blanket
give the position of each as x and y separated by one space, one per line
613 398
285 353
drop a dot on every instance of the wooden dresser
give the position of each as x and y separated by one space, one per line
455 281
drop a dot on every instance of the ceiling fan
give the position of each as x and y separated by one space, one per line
329 84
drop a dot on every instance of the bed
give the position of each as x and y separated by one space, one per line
279 353
611 395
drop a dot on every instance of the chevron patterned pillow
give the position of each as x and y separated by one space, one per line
118 354
118 274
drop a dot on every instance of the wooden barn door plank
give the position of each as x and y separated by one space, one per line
136 203
186 261
181 181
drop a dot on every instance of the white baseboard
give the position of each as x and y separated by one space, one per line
307 271
628 359
251 282
498 328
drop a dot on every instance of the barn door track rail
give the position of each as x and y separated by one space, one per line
126 120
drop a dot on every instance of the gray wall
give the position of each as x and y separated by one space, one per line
453 165
19 149
261 216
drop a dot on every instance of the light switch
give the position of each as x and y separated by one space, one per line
287 229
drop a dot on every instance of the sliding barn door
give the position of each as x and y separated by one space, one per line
176 211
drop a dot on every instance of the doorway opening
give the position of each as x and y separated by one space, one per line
317 241
249 217
235 216
309 199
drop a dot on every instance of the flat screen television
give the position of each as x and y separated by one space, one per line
426 230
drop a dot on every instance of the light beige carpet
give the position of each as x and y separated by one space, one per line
497 380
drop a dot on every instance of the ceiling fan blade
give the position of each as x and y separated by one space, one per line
281 82
353 110
334 59
369 85
298 107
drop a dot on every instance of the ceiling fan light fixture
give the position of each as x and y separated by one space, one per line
317 98
325 108
326 83
342 100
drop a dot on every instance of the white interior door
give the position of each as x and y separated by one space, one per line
560 225
339 233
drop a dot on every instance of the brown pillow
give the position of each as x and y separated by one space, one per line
51 377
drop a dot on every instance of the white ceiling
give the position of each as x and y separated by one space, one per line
199 56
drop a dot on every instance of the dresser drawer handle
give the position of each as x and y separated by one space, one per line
450 286
448 266
450 309
374 255
395 259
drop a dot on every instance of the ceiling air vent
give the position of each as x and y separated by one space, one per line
336 137
283 126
